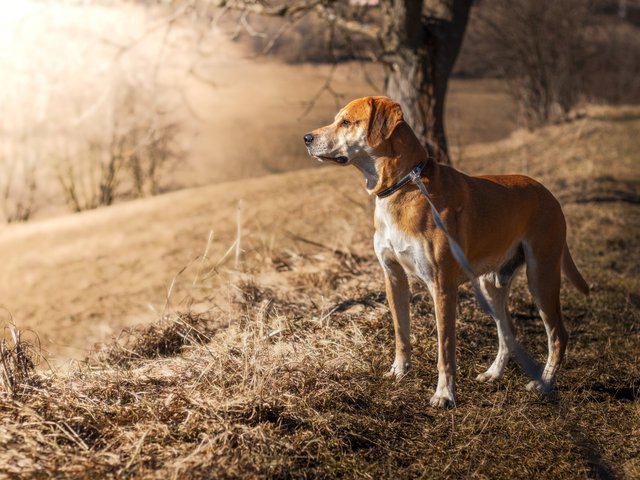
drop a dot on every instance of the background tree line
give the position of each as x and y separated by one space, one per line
553 54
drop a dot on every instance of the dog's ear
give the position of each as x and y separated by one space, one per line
384 118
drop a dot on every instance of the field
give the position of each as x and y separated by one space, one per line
272 367
236 326
113 266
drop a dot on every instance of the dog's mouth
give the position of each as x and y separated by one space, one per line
340 159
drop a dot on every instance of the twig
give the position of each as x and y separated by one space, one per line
249 29
204 258
173 281
238 233
136 452
166 22
326 87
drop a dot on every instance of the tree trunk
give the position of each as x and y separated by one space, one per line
421 41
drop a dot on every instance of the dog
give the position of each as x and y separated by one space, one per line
502 223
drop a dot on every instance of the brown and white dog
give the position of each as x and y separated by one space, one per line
502 222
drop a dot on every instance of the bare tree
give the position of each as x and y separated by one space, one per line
417 42
543 49
421 41
17 192
18 183
129 160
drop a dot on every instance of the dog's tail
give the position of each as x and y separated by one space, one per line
571 271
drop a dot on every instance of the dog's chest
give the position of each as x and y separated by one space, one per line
392 245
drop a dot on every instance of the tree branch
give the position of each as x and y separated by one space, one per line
345 24
324 8
283 10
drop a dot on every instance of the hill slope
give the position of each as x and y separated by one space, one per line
82 278
274 369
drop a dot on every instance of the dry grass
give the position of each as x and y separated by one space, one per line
17 361
284 378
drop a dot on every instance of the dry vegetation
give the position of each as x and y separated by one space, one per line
130 104
89 115
273 368
553 61
281 376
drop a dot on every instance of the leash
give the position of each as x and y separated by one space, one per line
456 250
526 362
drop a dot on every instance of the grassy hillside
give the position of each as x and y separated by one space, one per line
274 368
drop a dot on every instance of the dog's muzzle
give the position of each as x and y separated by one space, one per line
340 159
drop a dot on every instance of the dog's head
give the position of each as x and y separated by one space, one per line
359 130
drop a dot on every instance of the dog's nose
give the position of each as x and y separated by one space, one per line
308 138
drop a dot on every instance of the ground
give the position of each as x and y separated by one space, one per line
268 361
113 266
237 327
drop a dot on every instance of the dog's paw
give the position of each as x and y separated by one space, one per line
398 370
445 395
539 386
532 386
493 373
442 401
488 377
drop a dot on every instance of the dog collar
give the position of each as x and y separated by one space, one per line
415 172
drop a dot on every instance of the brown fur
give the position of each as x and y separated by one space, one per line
500 221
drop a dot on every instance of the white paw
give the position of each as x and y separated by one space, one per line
398 370
493 373
440 400
488 377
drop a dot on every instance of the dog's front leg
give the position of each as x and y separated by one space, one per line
397 287
445 301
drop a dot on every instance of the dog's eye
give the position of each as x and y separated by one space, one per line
345 123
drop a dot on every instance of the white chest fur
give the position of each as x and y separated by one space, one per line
392 245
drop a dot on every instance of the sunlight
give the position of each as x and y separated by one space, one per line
12 11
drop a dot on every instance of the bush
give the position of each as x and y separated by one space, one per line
126 162
18 186
554 54
542 51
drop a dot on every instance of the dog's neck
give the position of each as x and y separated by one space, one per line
395 158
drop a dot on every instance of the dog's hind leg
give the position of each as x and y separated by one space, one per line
498 296
543 275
